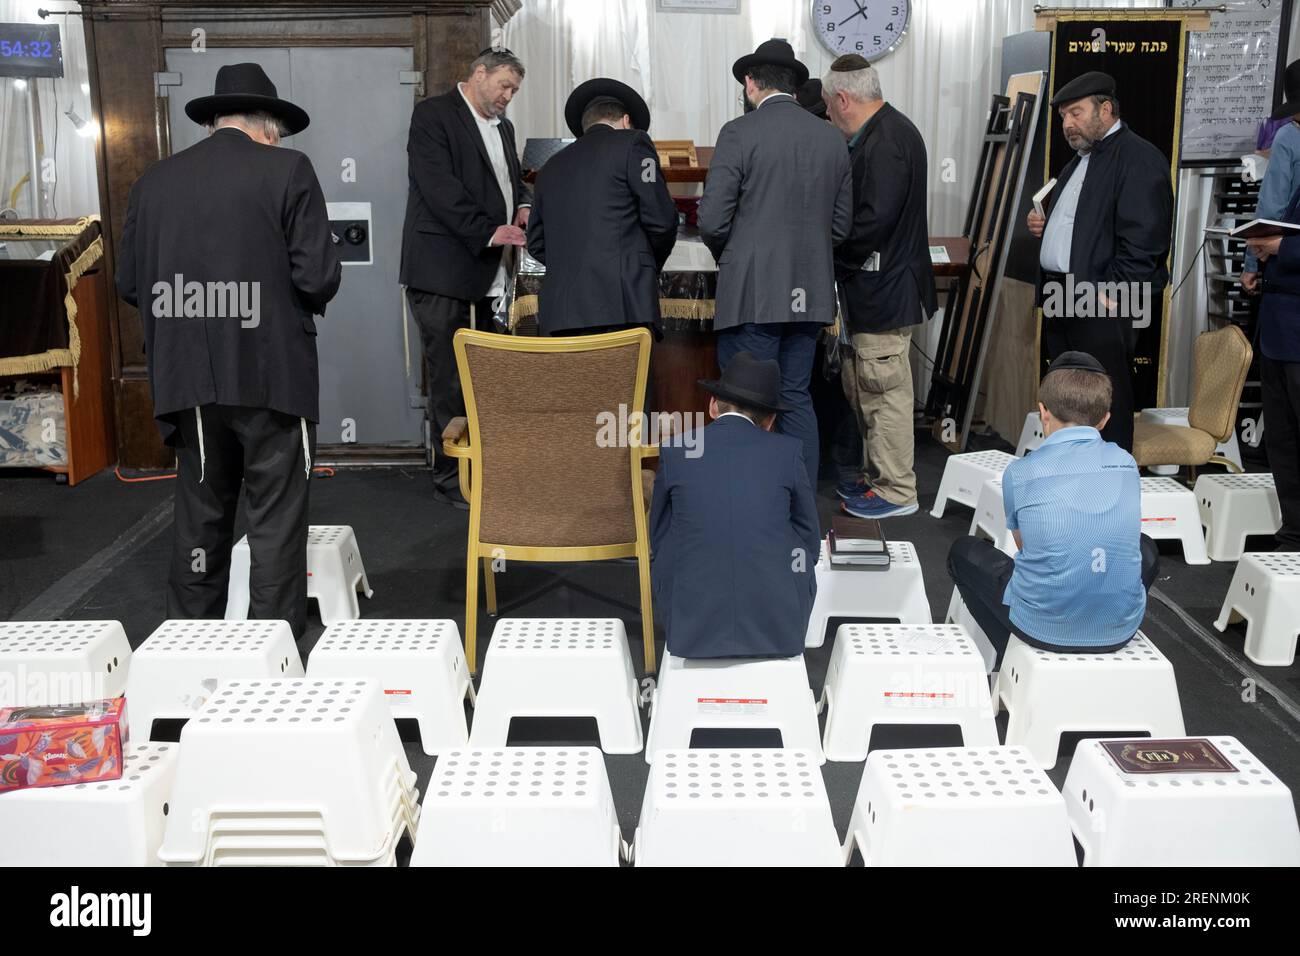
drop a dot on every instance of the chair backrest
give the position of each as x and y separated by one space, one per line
1220 360
549 419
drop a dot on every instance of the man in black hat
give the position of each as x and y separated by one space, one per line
1105 248
466 207
779 197
1079 580
734 537
603 222
227 253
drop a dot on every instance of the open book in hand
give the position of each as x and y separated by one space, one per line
1257 229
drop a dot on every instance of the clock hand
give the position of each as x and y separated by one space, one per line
861 10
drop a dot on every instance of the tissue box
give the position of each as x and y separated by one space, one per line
72 743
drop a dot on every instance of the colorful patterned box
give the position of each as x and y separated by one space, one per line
50 746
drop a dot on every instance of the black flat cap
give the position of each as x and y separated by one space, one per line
1075 360
1090 84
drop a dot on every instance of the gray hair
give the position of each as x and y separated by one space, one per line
860 85
495 59
270 125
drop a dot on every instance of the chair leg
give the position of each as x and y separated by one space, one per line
647 609
471 609
489 587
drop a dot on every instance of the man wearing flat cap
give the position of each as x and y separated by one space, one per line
227 253
1108 225
603 222
734 538
778 199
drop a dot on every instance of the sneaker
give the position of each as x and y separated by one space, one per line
871 505
852 488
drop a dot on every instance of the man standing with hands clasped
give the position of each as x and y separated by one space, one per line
466 209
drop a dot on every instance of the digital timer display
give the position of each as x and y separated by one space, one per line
30 49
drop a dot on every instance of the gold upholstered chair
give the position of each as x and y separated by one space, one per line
1220 362
543 481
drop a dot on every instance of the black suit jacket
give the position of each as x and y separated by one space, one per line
734 543
603 223
889 217
453 202
229 210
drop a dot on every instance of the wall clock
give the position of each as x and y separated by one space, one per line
870 28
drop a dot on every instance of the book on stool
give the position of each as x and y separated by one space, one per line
857 544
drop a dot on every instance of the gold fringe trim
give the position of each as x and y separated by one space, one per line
701 310
524 307
41 362
28 228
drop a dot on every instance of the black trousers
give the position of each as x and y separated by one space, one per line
981 573
1108 340
262 451
1280 382
438 317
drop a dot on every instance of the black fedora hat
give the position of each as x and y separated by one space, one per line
604 88
245 88
809 96
1290 91
773 52
751 382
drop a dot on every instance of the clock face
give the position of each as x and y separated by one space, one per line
870 28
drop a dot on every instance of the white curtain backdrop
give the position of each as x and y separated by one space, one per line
75 190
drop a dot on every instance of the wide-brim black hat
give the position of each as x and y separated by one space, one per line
604 88
1290 91
1094 83
245 88
753 383
772 52
809 96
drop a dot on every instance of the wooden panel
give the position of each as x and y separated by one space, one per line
137 433
88 409
453 38
1011 369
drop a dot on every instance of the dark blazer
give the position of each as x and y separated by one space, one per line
603 223
889 189
727 530
230 210
1278 329
453 202
778 197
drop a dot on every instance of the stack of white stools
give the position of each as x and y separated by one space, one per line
1234 507
1049 693
965 474
525 806
419 664
1265 590
1178 416
732 694
898 674
736 808
103 823
1170 512
291 773
985 806
897 592
1140 814
990 517
1031 436
559 667
176 670
61 662
334 574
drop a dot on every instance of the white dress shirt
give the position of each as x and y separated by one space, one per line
1058 236
497 154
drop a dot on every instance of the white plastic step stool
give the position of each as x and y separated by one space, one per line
959 613
1170 512
1242 817
1178 416
734 693
1031 436
904 674
965 474
524 806
419 664
1233 507
985 806
898 592
61 662
334 574
101 823
264 754
179 666
990 518
736 808
1265 590
1048 693
559 667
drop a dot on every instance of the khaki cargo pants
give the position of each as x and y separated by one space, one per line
878 385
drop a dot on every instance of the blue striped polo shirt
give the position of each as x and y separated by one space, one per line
1077 503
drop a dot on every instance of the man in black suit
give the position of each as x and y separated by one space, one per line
603 222
227 253
734 537
466 207
886 284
